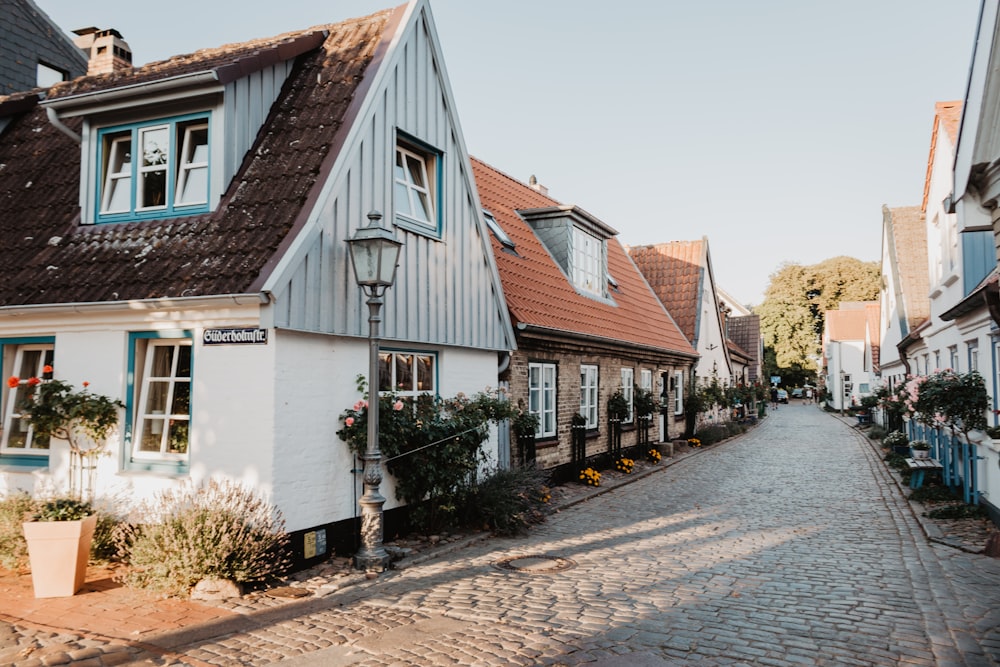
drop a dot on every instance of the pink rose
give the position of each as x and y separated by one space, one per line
349 421
397 406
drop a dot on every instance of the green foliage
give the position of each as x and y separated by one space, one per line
220 531
876 432
432 446
507 501
645 402
793 311
524 423
62 509
618 406
958 401
15 509
56 410
957 511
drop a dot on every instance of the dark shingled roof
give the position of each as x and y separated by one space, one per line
47 257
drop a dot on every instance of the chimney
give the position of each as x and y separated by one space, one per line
535 185
106 51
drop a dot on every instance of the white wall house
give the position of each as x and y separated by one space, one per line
848 353
220 306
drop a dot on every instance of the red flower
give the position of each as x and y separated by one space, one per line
46 369
349 421
13 381
34 382
85 384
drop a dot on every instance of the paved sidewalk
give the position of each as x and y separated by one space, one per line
106 624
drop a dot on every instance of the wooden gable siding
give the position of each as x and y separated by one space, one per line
447 289
247 102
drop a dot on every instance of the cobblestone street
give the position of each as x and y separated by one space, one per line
791 545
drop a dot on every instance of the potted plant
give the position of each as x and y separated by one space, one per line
919 449
59 535
897 442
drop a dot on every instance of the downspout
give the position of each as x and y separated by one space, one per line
504 363
57 122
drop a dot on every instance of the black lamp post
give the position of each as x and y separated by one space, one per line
374 255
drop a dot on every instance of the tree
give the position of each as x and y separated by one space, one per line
797 297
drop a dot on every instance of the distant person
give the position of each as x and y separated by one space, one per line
809 395
774 398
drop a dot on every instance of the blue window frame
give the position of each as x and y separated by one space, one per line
23 357
157 169
158 402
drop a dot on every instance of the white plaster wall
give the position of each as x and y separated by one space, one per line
315 382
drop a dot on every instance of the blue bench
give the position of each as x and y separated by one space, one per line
919 468
864 418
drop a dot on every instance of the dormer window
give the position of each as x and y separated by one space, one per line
578 242
155 169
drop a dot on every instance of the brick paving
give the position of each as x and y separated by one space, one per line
791 545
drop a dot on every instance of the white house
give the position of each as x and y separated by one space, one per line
850 342
218 301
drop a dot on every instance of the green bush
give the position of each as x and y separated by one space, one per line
895 438
876 432
507 502
62 509
14 509
218 531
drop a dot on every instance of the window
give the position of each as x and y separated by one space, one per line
953 357
646 379
159 398
24 361
542 397
973 353
407 374
678 392
588 256
415 176
628 386
168 175
47 75
498 233
588 394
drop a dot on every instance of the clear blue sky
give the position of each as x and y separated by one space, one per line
776 128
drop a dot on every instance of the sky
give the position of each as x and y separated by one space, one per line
776 129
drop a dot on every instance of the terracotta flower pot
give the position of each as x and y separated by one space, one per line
58 552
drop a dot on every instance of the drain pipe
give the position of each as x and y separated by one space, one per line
57 122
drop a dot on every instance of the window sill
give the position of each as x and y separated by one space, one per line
418 227
951 279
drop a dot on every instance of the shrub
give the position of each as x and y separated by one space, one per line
62 509
876 432
218 531
508 501
13 511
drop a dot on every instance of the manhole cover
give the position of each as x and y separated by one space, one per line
534 564
288 592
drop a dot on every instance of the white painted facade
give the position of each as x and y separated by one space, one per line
266 414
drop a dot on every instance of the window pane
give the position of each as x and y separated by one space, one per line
154 189
403 199
152 435
183 361
163 356
177 441
156 397
384 372
117 181
155 153
404 372
425 373
182 398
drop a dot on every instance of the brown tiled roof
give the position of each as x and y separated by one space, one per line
47 257
947 116
540 295
909 249
744 330
674 271
846 324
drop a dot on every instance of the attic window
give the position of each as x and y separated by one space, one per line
497 231
168 177
612 281
416 179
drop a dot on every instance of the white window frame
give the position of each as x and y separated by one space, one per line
542 397
646 379
953 358
628 391
162 422
589 393
407 374
678 392
588 263
192 169
14 396
973 355
414 185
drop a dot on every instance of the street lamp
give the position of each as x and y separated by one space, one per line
374 254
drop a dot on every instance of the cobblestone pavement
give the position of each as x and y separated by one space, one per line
792 545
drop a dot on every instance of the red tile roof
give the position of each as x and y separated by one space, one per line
674 271
947 116
47 257
540 295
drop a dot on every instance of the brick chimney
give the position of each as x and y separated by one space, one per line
106 51
535 185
